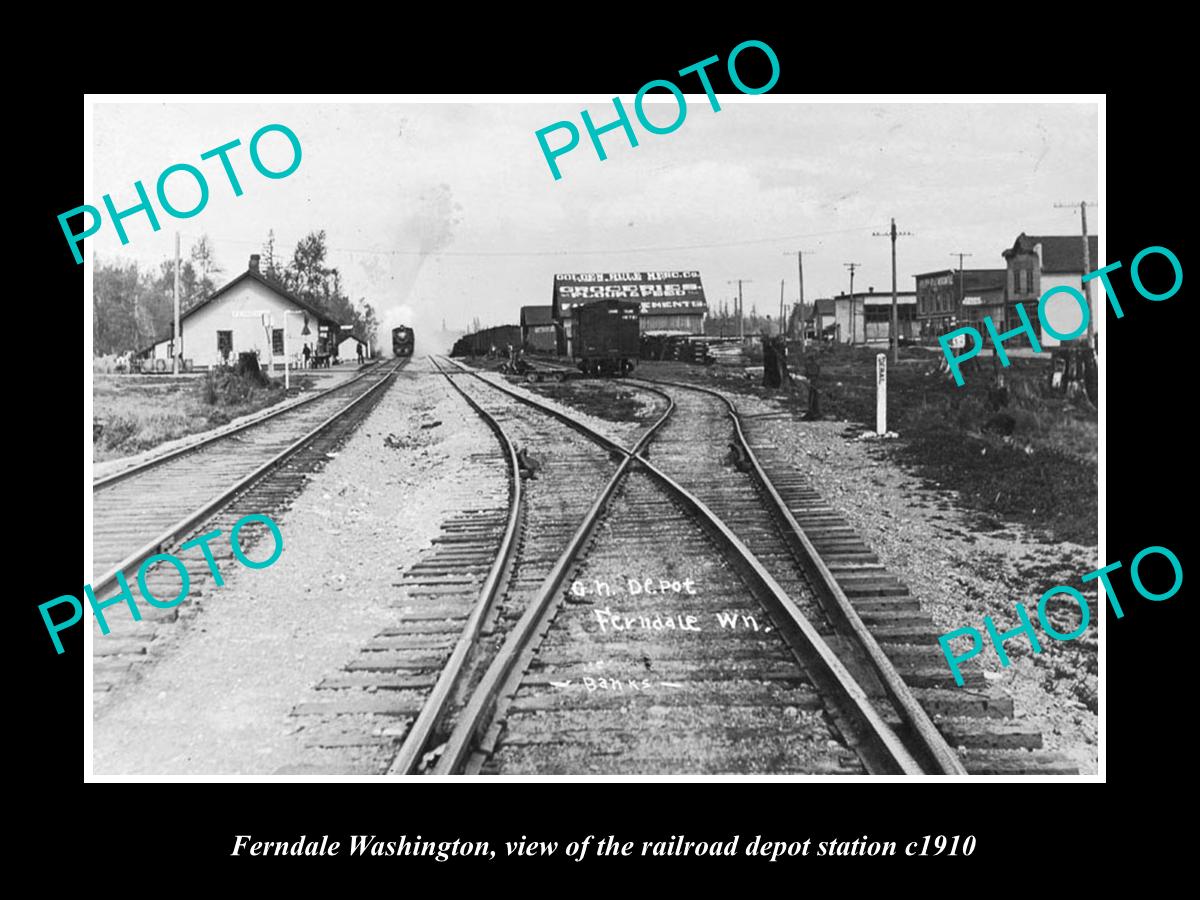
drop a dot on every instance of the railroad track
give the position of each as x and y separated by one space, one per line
256 469
466 591
744 681
140 509
889 642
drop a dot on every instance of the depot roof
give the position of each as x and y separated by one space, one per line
273 285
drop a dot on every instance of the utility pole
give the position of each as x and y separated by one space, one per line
740 325
782 321
1087 263
177 344
135 311
894 331
960 256
961 291
852 266
799 254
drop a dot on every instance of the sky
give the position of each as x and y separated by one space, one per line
449 211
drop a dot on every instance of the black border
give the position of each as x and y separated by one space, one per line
1148 413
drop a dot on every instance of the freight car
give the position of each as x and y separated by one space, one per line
402 341
492 341
606 337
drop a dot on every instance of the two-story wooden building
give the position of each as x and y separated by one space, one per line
950 297
1036 263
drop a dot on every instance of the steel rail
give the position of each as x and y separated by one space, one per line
141 467
436 704
602 439
504 675
838 606
191 519
822 663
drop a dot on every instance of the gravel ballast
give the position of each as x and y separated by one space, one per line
219 701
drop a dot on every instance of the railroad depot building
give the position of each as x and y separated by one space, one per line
949 297
538 333
672 303
1037 263
250 313
867 316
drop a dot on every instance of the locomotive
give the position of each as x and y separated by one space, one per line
402 341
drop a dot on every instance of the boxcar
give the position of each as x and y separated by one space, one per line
402 341
606 337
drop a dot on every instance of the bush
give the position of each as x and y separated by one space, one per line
119 429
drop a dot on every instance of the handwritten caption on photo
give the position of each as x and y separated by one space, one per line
126 594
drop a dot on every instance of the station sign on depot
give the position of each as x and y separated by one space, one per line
622 120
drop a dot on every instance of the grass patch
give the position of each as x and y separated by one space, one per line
603 399
1033 460
134 413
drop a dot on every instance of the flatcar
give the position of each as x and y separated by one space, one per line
606 337
402 341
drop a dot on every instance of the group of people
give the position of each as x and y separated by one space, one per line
777 375
315 359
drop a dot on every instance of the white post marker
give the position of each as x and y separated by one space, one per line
881 394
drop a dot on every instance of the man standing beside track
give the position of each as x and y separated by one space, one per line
812 370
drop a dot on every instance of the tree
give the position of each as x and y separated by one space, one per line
368 322
309 278
204 259
114 304
306 275
271 269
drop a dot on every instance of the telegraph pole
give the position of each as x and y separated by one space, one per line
895 329
136 341
177 344
852 266
1087 262
799 254
782 321
961 291
960 256
741 326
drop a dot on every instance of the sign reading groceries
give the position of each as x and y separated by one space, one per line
655 290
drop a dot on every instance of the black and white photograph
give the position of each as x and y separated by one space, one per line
679 435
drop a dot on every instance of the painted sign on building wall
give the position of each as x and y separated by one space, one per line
654 290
